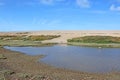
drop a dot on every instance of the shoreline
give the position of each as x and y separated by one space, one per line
20 66
110 45
43 44
66 34
22 63
62 39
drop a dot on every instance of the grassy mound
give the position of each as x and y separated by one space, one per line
95 39
25 40
30 38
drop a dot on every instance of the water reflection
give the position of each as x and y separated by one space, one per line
85 59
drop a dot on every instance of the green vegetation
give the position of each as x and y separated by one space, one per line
24 40
96 39
100 45
23 43
30 38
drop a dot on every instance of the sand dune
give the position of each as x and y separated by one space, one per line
66 34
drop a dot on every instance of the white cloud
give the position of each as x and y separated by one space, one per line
83 3
114 8
48 2
45 22
80 3
49 22
30 3
60 0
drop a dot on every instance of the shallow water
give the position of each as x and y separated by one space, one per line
86 59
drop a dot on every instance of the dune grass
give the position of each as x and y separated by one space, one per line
30 38
23 43
95 41
24 40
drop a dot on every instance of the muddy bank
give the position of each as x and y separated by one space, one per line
17 66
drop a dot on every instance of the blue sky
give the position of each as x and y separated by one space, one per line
25 15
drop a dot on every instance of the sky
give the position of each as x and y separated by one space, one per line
32 15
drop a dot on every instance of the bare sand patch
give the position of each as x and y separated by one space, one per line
67 34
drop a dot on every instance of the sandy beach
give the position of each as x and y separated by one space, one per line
67 34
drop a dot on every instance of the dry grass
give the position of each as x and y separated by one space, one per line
64 35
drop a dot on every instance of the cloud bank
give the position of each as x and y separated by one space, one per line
114 8
48 2
83 3
80 3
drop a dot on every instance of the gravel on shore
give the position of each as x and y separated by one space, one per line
18 66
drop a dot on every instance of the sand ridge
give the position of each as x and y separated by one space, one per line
66 34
